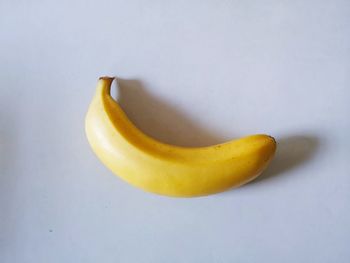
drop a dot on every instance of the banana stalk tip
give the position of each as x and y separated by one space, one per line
106 78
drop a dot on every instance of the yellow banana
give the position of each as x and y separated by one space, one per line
166 169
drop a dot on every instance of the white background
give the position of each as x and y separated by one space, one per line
191 73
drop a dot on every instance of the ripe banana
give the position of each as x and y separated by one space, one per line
166 169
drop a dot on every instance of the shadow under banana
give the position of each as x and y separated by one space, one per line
160 119
292 152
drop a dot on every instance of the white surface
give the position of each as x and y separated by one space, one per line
206 72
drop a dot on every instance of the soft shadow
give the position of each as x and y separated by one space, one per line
292 152
8 145
160 119
9 166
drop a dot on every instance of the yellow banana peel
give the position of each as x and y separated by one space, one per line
167 169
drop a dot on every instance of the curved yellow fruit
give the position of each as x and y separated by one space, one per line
166 169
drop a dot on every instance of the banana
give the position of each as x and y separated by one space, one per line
166 169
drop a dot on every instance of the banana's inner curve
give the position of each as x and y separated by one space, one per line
135 136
